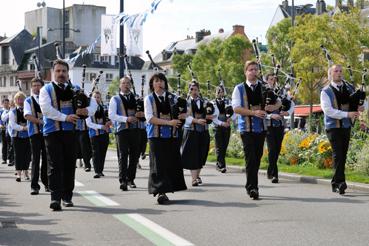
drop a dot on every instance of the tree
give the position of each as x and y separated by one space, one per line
229 56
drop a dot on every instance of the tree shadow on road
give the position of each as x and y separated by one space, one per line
341 199
11 223
207 203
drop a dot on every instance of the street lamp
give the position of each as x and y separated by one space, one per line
41 4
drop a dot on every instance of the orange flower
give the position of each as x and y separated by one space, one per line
328 162
293 161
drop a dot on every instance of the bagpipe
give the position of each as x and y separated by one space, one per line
79 97
180 105
228 107
270 94
37 66
209 106
357 98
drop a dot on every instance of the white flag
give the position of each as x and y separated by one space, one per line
134 40
108 35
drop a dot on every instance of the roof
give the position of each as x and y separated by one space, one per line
299 9
304 110
19 43
188 45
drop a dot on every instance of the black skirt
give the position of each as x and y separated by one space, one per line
22 153
166 173
194 149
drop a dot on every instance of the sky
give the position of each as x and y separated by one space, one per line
173 20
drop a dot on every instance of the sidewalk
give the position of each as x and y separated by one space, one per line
301 178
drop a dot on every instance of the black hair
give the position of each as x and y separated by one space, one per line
60 62
36 80
160 76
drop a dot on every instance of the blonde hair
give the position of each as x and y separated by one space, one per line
18 95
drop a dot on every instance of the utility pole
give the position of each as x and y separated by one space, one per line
121 44
63 29
292 116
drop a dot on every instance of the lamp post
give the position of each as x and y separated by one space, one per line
121 44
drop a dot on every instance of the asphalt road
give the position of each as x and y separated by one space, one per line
217 213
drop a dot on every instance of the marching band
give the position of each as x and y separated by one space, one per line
43 126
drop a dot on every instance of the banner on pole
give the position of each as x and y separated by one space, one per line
108 35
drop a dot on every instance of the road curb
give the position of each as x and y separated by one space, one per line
301 178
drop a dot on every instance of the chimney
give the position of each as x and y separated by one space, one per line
285 4
221 30
318 10
201 34
238 29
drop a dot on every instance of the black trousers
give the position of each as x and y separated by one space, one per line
38 150
253 144
85 147
61 160
128 145
4 149
274 139
99 147
143 141
221 136
339 139
7 148
22 153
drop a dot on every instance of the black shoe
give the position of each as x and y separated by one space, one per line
269 176
97 176
254 194
275 180
101 174
199 181
18 179
47 189
341 188
3 162
87 169
195 183
123 186
162 199
143 156
68 203
10 164
132 184
55 206
139 166
34 192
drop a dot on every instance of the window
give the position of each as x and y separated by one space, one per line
11 81
4 81
96 58
108 77
5 55
1 82
105 59
92 76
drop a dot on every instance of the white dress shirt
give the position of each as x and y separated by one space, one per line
113 111
327 108
236 96
216 121
148 107
93 125
53 113
12 123
27 106
5 115
189 118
